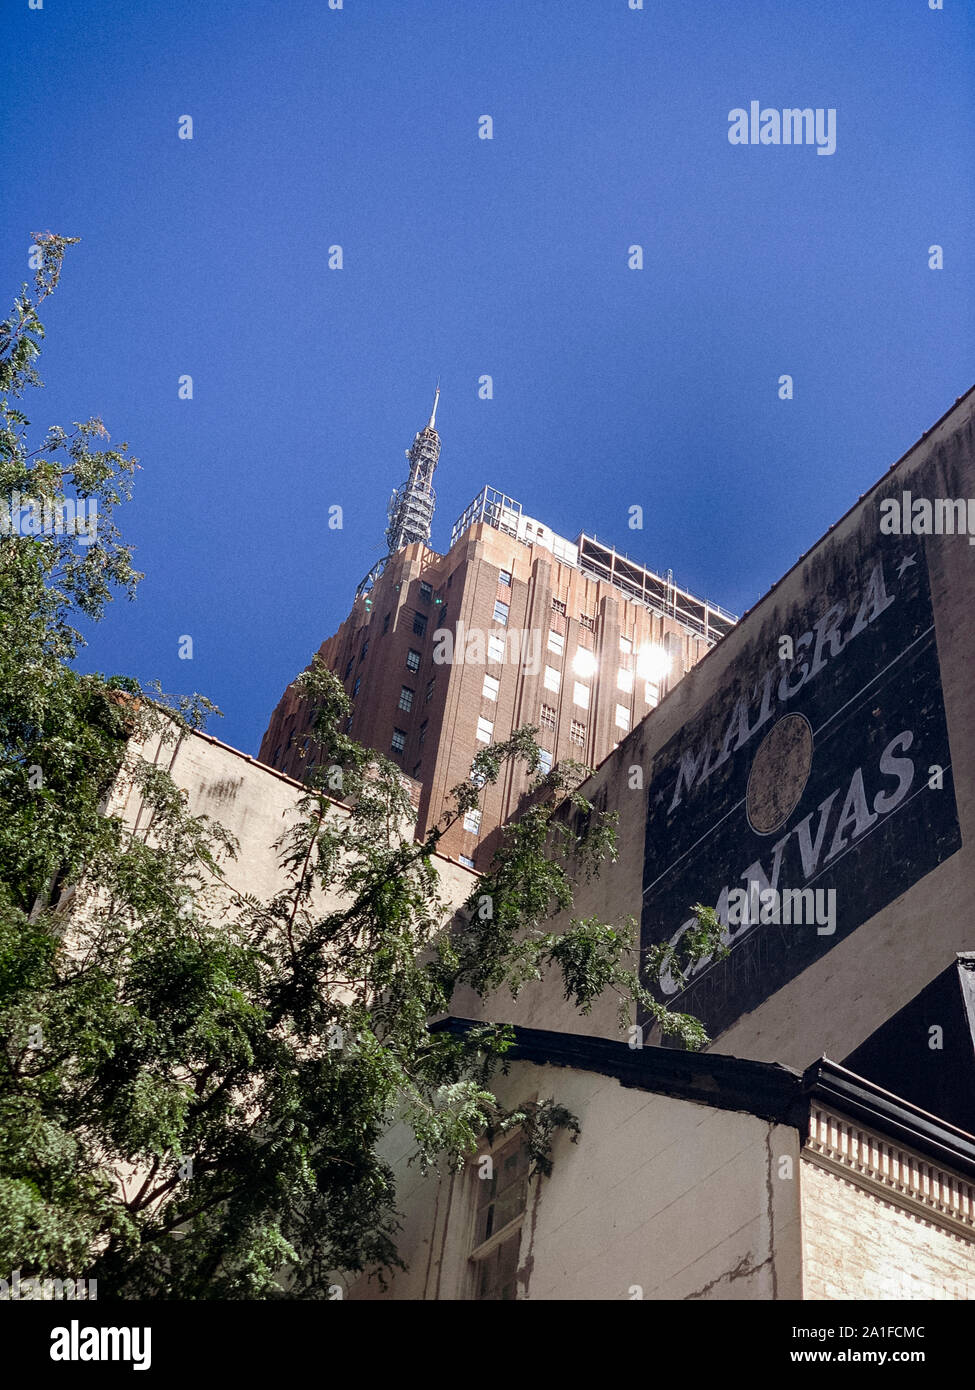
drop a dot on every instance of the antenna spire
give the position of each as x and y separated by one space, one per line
433 413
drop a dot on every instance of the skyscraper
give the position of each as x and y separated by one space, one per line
514 625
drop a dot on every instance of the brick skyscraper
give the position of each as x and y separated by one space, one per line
569 636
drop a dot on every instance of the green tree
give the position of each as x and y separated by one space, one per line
194 1084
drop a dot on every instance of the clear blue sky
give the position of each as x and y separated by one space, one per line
463 257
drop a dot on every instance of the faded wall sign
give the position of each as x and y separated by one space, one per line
829 771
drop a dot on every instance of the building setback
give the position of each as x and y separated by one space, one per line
514 626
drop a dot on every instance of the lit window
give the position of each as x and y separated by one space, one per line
556 642
583 663
653 694
485 728
406 698
626 646
466 860
490 688
580 694
399 740
472 821
622 717
653 663
495 647
552 678
412 660
624 680
577 732
419 623
504 577
545 757
547 717
501 613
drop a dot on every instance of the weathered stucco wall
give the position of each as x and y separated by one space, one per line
659 1199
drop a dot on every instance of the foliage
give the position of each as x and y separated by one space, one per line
194 1083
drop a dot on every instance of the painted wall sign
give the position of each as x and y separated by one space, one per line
816 773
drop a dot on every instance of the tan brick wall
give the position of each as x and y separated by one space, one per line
860 1244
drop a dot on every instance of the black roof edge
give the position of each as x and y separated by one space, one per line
765 1089
768 1090
899 1119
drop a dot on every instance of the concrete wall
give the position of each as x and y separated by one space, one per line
659 1199
257 805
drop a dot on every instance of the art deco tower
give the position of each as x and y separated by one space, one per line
568 636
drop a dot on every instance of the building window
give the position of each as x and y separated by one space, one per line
504 577
547 717
399 740
348 669
580 694
622 717
386 622
653 694
472 821
626 646
406 698
495 647
558 606
423 731
586 622
556 642
450 579
426 591
545 760
365 648
429 695
485 729
416 773
501 1203
412 660
466 860
355 688
624 680
553 679
419 623
500 612
490 688
577 733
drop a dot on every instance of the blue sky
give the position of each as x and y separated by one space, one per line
464 257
